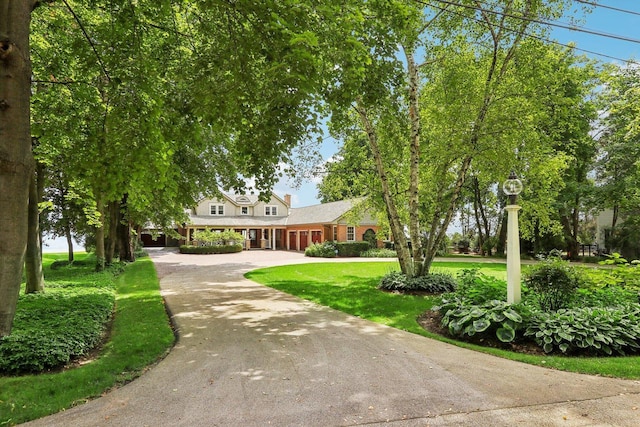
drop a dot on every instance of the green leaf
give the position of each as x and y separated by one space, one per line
506 334
513 316
481 325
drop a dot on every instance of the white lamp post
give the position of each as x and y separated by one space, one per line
512 187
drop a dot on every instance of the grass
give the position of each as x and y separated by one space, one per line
140 335
352 288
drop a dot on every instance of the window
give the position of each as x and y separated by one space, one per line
351 233
244 210
216 209
335 233
270 210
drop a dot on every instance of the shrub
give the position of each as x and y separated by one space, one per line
351 249
52 328
393 281
379 253
600 331
435 283
463 318
478 288
321 250
225 249
553 284
210 237
607 296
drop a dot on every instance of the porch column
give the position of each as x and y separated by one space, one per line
273 239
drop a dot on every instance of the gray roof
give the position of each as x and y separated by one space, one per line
237 221
325 213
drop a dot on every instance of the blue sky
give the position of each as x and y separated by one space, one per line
600 20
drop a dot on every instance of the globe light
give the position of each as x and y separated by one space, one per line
512 187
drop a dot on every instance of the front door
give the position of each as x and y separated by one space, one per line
254 237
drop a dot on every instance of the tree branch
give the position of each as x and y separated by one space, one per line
86 35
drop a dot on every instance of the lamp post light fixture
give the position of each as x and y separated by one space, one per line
512 187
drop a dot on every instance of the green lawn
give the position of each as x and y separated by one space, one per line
352 288
140 335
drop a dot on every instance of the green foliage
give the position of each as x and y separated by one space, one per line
379 253
53 328
209 237
140 334
599 331
607 296
226 249
623 276
321 250
435 283
77 263
613 259
478 288
351 249
464 318
553 283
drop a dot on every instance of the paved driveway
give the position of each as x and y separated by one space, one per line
252 356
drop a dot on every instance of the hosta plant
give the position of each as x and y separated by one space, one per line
463 318
598 331
435 283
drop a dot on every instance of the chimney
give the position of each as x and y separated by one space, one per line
287 199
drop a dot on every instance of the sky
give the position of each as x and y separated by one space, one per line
600 20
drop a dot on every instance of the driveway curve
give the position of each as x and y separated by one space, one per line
249 355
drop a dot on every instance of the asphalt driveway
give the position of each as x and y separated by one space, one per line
253 356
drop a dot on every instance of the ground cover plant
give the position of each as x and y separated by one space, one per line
139 335
562 311
353 289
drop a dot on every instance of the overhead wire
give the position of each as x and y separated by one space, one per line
541 22
604 6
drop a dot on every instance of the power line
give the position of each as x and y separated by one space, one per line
540 21
543 39
604 6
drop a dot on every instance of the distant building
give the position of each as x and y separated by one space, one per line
274 224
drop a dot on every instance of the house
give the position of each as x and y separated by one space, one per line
273 224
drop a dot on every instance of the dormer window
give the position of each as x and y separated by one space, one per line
244 210
270 210
216 209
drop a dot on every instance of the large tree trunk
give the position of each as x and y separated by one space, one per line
125 243
16 160
113 210
67 233
414 167
33 261
397 228
99 230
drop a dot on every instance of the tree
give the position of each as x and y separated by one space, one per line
16 161
618 171
437 118
33 259
225 90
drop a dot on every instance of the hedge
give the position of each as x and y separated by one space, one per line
220 249
351 249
